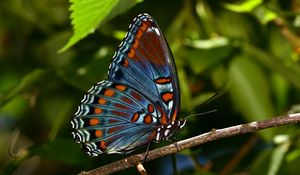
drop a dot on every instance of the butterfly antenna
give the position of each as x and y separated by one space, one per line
203 113
217 94
205 102
210 99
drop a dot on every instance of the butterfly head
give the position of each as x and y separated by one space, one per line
164 132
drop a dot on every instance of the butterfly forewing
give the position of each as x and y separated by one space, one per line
139 99
145 62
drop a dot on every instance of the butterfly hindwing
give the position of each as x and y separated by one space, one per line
111 113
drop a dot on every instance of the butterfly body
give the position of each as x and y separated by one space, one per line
139 102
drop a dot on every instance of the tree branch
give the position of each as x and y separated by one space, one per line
214 134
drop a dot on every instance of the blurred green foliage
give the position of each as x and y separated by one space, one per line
247 50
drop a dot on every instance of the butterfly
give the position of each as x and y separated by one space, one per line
139 101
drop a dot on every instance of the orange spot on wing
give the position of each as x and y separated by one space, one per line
109 93
150 108
163 118
121 87
136 43
125 63
167 96
101 101
102 145
98 133
163 80
144 26
139 34
98 110
135 117
94 121
148 119
174 115
131 53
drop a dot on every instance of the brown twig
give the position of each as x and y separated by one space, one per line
140 168
215 134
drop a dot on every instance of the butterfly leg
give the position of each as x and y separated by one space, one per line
147 151
174 140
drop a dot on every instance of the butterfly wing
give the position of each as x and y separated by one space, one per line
145 62
113 118
140 94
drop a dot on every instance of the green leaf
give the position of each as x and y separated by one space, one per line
277 158
208 44
28 81
208 53
64 150
264 14
88 14
293 155
281 90
261 163
184 90
15 107
246 6
62 116
249 90
291 71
